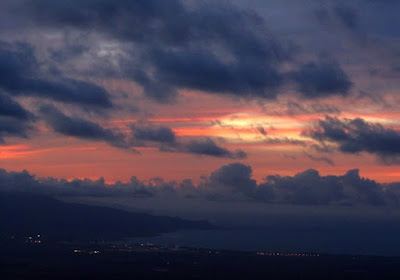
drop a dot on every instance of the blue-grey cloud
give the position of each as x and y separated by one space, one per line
21 74
235 176
210 148
160 134
339 14
172 45
166 140
322 79
348 16
15 120
162 137
357 135
11 108
203 70
80 128
230 182
11 127
309 187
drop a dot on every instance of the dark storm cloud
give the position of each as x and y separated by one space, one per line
235 176
348 16
165 139
170 45
161 134
322 79
11 108
131 20
233 181
11 127
371 25
77 127
357 135
339 13
309 188
178 43
209 148
160 137
21 74
230 182
26 182
169 22
15 121
204 71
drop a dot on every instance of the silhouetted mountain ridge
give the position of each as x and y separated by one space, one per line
26 213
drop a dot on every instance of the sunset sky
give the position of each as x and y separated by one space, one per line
177 89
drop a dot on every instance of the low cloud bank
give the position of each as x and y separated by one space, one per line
232 182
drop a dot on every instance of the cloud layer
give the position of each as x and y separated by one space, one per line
160 137
232 182
357 135
21 74
170 45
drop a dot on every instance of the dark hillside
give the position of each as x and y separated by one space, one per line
26 214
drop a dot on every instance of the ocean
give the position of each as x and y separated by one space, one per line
267 240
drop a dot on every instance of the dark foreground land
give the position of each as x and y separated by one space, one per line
30 260
21 214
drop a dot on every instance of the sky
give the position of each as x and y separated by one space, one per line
281 102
